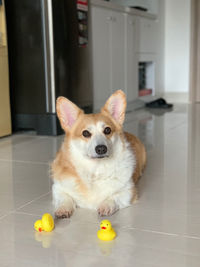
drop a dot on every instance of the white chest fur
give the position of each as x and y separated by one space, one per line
101 178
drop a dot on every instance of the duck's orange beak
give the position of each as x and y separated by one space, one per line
103 227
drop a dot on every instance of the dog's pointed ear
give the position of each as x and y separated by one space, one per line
116 106
67 112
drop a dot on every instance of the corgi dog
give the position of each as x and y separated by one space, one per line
98 163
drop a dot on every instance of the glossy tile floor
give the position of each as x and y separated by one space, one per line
161 229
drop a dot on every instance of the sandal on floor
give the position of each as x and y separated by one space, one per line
159 103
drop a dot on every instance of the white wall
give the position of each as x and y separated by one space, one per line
155 7
177 45
160 30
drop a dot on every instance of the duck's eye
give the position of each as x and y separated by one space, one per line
107 130
86 134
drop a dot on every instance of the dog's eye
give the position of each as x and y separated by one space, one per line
86 133
107 130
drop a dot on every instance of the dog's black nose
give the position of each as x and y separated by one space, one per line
101 149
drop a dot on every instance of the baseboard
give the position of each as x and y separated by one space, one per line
43 124
176 97
169 97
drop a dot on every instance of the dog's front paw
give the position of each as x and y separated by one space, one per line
63 212
107 208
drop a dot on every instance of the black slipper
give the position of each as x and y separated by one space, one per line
159 103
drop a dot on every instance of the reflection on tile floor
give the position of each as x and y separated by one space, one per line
161 229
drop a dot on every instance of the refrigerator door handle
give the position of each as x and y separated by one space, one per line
48 37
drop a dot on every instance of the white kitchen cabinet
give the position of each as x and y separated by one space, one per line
120 40
101 56
108 53
131 62
117 51
147 35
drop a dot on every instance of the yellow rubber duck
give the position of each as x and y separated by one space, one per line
106 233
45 224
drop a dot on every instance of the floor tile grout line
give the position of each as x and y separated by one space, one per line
27 142
35 199
23 161
3 216
26 213
124 228
17 210
162 233
15 136
177 126
168 213
191 236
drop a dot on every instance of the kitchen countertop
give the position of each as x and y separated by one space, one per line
124 9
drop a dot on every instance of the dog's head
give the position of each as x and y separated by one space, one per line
93 135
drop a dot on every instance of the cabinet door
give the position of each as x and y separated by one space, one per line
147 31
5 116
118 51
101 43
131 65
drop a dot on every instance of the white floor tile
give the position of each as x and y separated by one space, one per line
161 229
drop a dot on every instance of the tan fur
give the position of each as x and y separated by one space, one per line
106 110
86 119
140 153
63 168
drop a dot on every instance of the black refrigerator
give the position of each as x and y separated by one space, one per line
49 56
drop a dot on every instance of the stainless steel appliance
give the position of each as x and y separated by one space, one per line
46 61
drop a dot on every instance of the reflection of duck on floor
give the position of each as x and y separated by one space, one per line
46 224
45 238
106 247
